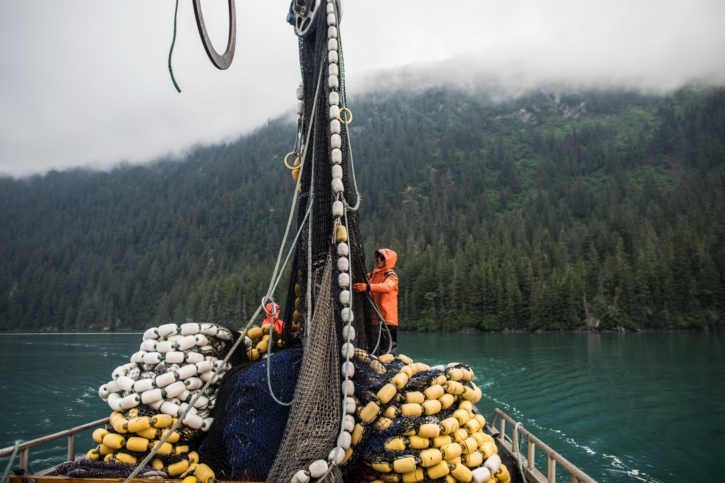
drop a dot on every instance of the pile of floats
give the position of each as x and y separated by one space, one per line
149 394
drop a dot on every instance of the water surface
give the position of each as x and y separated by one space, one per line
623 407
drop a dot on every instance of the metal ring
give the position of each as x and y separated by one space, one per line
342 118
287 165
220 61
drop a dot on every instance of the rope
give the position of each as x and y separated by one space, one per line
10 463
274 310
518 451
171 50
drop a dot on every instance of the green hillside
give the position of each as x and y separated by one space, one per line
556 210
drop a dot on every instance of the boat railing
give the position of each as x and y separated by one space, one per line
24 448
528 462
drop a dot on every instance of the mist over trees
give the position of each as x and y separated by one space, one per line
556 210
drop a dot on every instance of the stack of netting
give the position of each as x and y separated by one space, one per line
150 393
416 423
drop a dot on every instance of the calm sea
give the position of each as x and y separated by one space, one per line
623 407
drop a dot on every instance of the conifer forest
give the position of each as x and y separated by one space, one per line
556 210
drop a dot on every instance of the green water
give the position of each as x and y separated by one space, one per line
623 407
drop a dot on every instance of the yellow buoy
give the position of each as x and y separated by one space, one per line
488 449
434 392
449 425
414 397
126 458
357 433
386 393
469 445
395 444
193 457
382 467
139 424
178 468
503 475
447 400
98 435
429 430
438 471
369 412
93 455
386 358
430 457
451 450
461 473
341 234
161 421
411 410
414 476
473 460
416 442
137 445
114 441
431 407
404 465
204 473
157 464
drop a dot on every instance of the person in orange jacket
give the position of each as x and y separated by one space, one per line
278 323
383 285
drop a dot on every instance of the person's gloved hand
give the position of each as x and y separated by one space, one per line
361 287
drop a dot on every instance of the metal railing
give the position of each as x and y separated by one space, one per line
24 448
528 463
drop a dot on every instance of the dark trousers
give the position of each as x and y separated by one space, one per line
388 339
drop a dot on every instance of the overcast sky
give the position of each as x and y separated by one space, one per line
85 82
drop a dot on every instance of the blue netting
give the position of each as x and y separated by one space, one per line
253 424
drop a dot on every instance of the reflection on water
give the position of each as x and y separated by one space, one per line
623 407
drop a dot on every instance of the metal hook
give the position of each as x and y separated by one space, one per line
220 61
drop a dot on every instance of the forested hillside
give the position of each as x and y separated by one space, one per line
556 210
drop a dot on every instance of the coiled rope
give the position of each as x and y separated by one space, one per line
10 463
518 451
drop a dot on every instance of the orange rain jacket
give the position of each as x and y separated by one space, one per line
278 324
384 286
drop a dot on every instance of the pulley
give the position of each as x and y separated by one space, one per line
302 15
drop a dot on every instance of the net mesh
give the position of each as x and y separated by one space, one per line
314 419
243 440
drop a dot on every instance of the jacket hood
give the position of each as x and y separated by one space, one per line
390 258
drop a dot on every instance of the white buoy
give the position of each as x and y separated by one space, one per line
337 455
331 20
349 405
349 423
348 350
167 330
187 343
130 401
344 440
193 383
152 396
332 32
348 332
301 476
333 82
207 424
318 468
143 385
343 280
193 421
336 156
332 45
337 186
151 334
333 70
201 340
336 170
186 371
208 329
493 463
345 297
165 346
174 357
338 209
334 99
481 474
343 264
192 328
347 369
193 357
125 383
173 390
170 408
347 315
348 388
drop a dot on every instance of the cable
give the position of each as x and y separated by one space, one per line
171 50
10 463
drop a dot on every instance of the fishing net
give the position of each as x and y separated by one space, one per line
314 419
248 425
